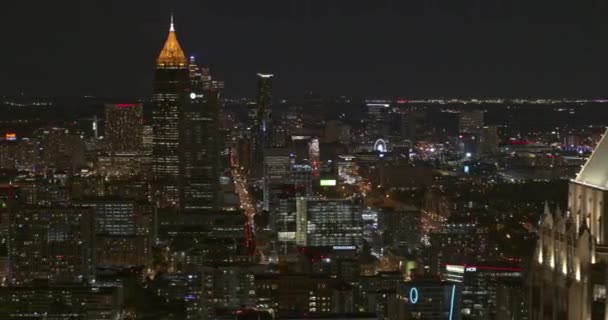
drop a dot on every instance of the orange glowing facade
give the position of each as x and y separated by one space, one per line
172 54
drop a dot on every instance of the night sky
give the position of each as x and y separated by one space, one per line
408 48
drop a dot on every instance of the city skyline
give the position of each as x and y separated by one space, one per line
351 199
496 49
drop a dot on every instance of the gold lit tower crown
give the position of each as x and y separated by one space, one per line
172 54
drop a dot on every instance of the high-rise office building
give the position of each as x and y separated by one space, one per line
59 149
378 117
124 127
488 140
200 150
195 71
17 153
51 244
313 110
147 139
314 155
327 222
402 228
568 275
429 299
470 121
186 144
276 172
486 287
171 83
332 131
301 178
123 231
262 127
264 104
414 124
459 243
64 301
7 152
337 131
279 136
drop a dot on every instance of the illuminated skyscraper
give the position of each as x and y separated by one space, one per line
59 149
200 146
124 127
327 222
264 103
276 172
262 131
486 288
489 140
194 71
568 274
170 91
147 139
378 115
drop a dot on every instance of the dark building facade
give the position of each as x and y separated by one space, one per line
200 149
489 291
264 100
429 299
51 244
262 126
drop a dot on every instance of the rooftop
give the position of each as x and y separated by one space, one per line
595 171
172 54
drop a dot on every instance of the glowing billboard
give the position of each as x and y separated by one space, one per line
328 183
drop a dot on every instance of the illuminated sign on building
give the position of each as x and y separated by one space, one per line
286 236
10 136
451 316
455 268
294 138
413 295
380 146
344 247
429 299
347 157
468 268
328 183
191 297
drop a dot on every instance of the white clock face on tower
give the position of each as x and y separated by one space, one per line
192 95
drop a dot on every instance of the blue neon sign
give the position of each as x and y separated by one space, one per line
452 302
413 295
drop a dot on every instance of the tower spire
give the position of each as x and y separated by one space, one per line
172 54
